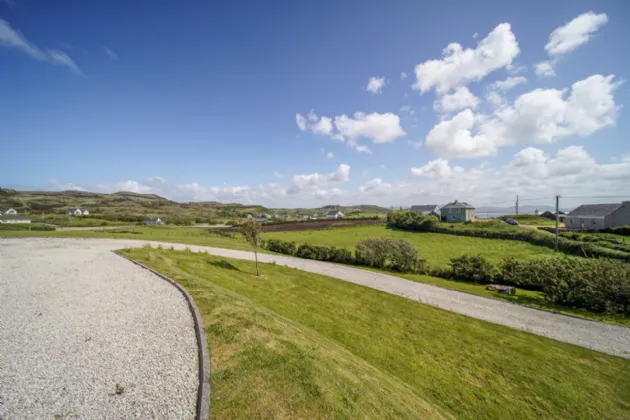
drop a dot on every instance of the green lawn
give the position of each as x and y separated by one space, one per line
294 345
436 248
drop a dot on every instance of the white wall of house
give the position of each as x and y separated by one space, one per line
9 211
586 223
15 221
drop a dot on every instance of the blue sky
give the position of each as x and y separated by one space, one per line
199 101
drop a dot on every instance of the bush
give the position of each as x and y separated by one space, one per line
313 252
519 273
411 220
474 268
280 246
372 252
341 255
395 254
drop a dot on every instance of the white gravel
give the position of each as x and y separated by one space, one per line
75 320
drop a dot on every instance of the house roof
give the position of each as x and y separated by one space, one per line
13 217
152 219
595 210
333 212
424 207
458 205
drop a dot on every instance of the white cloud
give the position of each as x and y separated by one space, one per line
416 144
545 69
315 180
323 126
454 138
65 187
363 149
11 38
475 35
403 75
438 168
460 99
509 83
330 155
278 175
494 98
514 69
575 33
380 128
375 85
460 66
111 54
405 108
539 116
300 121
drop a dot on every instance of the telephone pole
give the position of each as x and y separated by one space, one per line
517 204
557 218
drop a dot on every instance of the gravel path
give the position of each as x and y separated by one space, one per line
75 320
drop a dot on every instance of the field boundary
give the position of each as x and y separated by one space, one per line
203 390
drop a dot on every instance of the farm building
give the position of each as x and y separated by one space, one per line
334 214
552 216
153 221
11 218
598 216
457 211
427 209
8 211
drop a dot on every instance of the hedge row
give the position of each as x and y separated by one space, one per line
393 254
599 285
25 226
416 221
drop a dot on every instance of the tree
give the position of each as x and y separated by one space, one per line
251 231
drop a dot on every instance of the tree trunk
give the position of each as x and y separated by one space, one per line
256 256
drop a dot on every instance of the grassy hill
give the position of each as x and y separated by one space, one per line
129 206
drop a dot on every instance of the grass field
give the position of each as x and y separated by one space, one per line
532 220
294 345
434 245
436 248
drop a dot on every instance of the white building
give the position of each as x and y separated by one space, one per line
14 219
8 211
334 214
77 212
152 221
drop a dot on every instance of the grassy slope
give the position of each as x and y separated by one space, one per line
300 345
434 247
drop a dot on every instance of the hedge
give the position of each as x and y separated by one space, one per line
25 226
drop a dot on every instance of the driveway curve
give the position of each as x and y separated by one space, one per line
87 334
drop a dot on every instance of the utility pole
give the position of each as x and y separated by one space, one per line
557 218
517 204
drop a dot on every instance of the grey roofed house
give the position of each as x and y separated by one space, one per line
457 211
427 209
598 216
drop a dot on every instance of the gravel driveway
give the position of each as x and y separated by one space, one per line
75 320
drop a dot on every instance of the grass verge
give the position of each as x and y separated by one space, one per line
298 345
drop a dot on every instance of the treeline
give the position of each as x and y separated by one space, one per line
599 285
415 221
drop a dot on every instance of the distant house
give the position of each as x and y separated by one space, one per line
153 221
249 216
285 216
427 209
8 211
457 211
598 216
12 218
552 216
77 212
334 214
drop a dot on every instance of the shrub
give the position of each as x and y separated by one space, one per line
372 252
411 220
313 252
395 254
474 268
280 246
25 226
519 273
341 255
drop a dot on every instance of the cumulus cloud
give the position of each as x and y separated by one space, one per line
55 184
375 85
324 126
12 38
460 99
438 168
545 69
577 32
509 83
300 121
380 128
459 65
539 116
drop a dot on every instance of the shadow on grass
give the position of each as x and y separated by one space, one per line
224 264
